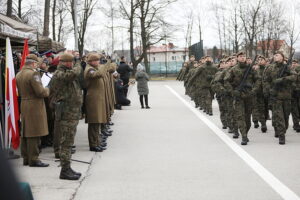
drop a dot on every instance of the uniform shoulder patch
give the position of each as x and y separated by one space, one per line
37 78
92 71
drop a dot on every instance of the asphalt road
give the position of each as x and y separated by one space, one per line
174 152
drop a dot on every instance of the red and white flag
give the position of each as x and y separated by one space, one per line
11 102
25 53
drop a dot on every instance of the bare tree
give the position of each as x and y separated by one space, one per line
111 13
216 9
9 8
150 18
130 15
85 12
20 8
46 18
292 32
249 14
53 20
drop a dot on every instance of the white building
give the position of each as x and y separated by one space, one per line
167 53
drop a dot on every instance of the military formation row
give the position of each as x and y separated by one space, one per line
245 88
63 98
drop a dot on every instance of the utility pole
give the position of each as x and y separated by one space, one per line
76 25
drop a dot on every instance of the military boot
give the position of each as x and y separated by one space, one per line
282 139
297 128
68 174
210 113
224 127
235 135
77 173
57 156
200 108
256 125
245 140
263 127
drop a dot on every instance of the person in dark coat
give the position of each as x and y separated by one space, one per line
124 71
121 99
142 79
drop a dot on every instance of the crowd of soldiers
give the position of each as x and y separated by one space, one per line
243 88
78 89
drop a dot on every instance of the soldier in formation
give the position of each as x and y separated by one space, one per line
245 88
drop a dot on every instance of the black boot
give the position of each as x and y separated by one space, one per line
235 135
96 149
245 140
224 127
263 127
297 128
77 173
256 125
282 139
68 174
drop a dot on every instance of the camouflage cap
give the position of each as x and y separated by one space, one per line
93 57
32 58
66 57
295 61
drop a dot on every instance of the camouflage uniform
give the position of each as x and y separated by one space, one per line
66 94
296 101
228 101
279 91
242 99
218 87
261 109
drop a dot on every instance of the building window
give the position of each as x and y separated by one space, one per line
153 59
173 57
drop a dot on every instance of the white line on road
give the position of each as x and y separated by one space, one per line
267 176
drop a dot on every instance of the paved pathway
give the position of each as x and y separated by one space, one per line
171 152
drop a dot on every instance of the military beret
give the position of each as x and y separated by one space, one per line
32 58
93 57
240 53
294 60
66 57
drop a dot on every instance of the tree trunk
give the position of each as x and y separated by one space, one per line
46 18
9 8
20 9
53 20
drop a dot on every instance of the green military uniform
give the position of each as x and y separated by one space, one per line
66 96
296 101
242 99
260 111
218 87
279 91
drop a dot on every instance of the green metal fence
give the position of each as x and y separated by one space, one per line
165 68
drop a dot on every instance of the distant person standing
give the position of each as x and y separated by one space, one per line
124 71
142 79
